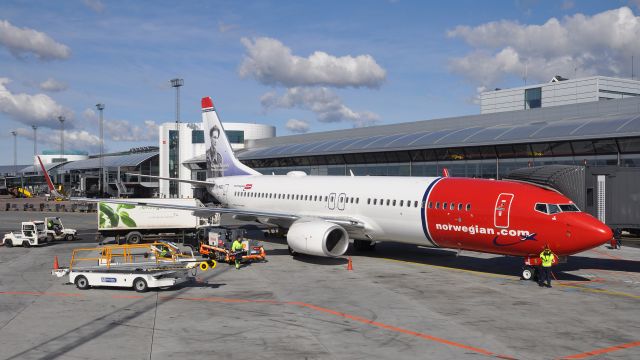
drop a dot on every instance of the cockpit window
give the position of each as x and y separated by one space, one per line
569 207
554 209
542 208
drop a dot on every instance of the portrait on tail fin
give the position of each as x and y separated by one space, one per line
214 158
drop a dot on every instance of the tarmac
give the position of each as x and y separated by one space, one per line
398 302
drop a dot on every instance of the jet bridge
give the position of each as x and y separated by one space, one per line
610 193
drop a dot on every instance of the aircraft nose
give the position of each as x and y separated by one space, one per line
595 232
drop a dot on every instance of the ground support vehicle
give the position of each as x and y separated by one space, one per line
57 231
141 267
32 233
216 245
133 224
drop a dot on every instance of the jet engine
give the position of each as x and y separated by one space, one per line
317 237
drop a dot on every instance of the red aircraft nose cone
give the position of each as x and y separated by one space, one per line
601 233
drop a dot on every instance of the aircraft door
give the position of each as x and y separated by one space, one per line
331 203
502 210
224 190
341 200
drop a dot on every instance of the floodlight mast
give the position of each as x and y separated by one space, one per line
177 83
100 107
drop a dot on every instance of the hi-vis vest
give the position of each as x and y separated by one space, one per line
547 260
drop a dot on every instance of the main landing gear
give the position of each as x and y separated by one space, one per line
364 245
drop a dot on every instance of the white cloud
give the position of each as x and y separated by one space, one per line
271 63
297 126
323 102
38 109
53 85
224 27
74 139
26 40
95 5
123 130
576 45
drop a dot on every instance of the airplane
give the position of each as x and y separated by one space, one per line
323 213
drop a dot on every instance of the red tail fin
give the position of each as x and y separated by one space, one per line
46 175
445 172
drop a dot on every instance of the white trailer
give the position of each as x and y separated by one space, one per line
139 279
135 223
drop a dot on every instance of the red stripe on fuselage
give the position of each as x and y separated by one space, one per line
499 217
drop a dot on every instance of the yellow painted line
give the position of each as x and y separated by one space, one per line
507 277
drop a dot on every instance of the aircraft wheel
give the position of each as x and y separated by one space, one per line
8 243
528 273
140 285
81 282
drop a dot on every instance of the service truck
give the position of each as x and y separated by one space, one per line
135 223
57 231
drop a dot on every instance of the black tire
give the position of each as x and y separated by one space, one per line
134 237
69 237
81 282
528 273
8 243
26 244
364 245
140 285
52 238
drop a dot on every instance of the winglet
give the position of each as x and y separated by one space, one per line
207 103
445 172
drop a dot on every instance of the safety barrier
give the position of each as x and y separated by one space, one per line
73 207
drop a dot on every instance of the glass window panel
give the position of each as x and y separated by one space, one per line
629 145
582 147
541 149
532 98
562 148
606 146
488 135
472 153
521 150
505 151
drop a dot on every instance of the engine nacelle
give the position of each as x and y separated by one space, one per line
317 237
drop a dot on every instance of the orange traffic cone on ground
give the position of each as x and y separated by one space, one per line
56 266
350 264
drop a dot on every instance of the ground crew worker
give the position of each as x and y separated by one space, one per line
545 270
236 248
617 237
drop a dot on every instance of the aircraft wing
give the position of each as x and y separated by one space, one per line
350 224
194 182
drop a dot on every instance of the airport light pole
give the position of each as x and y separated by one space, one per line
100 107
61 119
177 83
15 151
35 142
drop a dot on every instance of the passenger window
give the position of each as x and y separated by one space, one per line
437 204
388 201
381 202
460 207
415 204
468 206
452 206
444 206
368 201
394 203
408 203
375 201
315 198
305 197
542 208
357 200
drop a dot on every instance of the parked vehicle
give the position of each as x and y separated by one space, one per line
32 233
56 230
136 223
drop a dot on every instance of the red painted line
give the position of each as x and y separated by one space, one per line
394 328
37 293
602 351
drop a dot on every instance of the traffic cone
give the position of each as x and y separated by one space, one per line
56 266
350 264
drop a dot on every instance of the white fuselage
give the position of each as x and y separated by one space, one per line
395 215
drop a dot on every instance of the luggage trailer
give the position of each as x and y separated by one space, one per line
131 266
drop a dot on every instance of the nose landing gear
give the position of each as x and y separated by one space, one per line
529 270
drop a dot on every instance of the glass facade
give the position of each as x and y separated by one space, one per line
491 162
173 161
197 136
235 136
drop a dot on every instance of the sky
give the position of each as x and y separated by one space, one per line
302 66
